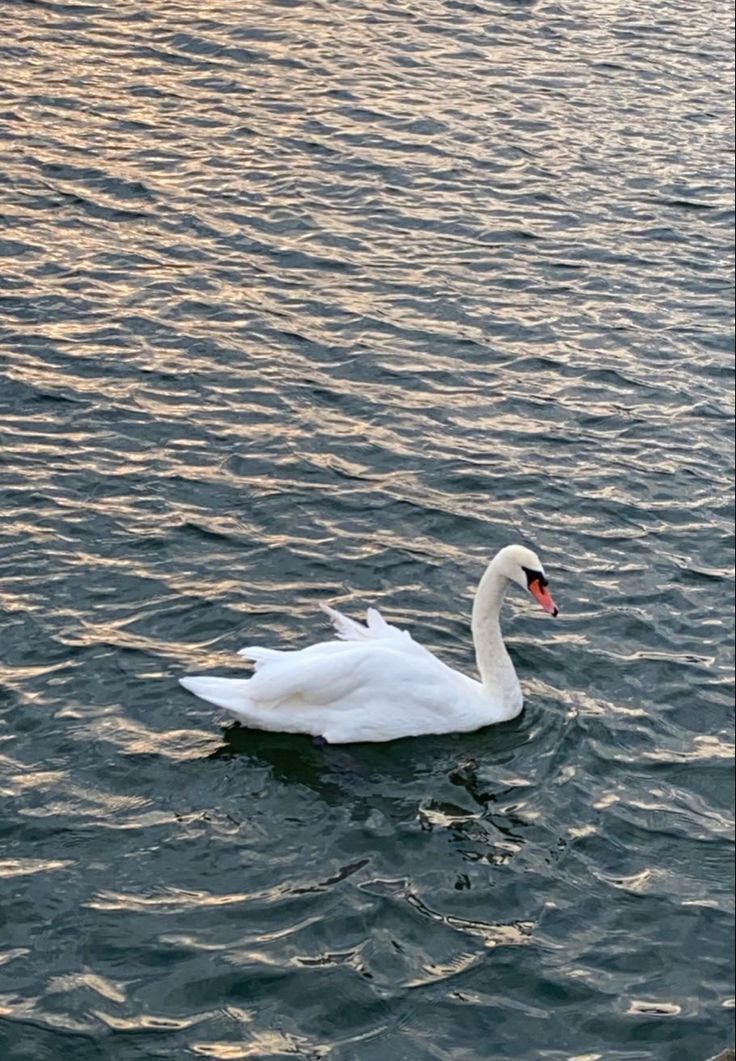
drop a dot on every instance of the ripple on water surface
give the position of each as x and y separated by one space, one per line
298 304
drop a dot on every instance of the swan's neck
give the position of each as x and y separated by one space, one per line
494 663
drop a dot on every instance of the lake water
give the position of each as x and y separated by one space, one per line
329 301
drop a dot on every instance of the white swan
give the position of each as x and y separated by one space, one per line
377 683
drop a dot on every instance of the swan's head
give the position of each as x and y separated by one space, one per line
522 566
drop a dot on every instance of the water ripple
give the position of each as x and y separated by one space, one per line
306 304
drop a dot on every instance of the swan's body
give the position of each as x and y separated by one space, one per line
377 683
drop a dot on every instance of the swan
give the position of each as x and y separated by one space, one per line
376 683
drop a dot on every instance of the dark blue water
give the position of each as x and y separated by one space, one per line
328 301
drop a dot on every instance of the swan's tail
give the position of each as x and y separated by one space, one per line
232 695
229 693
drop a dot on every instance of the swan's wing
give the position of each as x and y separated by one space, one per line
346 629
376 629
257 655
327 674
367 663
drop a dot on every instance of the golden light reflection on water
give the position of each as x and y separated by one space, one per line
262 1045
302 304
22 867
113 991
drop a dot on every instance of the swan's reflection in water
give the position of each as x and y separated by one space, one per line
481 800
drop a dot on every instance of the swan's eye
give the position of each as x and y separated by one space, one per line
535 576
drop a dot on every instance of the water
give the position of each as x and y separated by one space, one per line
313 301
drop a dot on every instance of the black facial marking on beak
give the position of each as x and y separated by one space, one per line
534 576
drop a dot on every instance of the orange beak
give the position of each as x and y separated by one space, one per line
542 594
